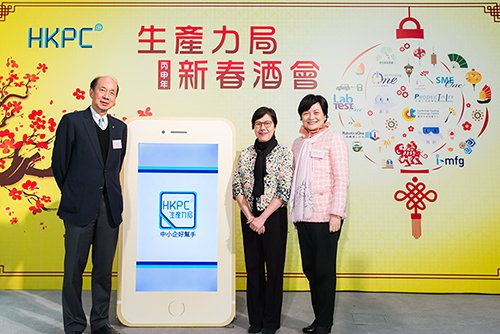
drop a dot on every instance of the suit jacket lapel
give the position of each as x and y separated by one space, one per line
91 131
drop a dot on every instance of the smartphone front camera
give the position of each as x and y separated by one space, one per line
162 132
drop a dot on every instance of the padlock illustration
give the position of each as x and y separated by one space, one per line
403 32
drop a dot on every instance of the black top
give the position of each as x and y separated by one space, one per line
103 136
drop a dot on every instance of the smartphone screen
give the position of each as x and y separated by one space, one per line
177 217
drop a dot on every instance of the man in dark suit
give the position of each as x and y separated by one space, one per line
88 154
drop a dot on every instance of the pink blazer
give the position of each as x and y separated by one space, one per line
330 170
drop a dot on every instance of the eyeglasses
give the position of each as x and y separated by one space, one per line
267 124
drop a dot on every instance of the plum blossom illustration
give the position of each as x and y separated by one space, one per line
26 136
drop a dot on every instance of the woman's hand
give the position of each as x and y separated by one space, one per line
335 223
245 208
257 224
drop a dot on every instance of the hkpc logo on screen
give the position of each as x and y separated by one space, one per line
62 37
177 210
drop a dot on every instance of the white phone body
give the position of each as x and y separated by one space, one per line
177 252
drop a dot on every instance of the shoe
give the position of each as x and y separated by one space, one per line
268 331
309 329
323 330
106 329
313 329
254 329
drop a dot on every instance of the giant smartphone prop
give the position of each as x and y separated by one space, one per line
177 256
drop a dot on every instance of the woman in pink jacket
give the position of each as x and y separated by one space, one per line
318 202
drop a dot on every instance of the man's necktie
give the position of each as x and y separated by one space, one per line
101 123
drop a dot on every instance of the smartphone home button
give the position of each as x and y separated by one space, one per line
176 308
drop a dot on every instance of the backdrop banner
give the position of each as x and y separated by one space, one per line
412 87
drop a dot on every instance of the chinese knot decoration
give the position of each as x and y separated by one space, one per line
415 197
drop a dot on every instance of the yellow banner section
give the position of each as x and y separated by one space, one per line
412 88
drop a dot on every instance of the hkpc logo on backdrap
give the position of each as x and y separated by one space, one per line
60 37
177 210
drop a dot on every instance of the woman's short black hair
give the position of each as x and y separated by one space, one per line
307 102
261 112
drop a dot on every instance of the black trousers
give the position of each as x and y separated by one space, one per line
265 253
318 250
103 238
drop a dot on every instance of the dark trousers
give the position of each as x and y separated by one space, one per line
318 250
103 238
265 253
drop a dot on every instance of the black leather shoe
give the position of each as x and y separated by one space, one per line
268 331
309 329
313 329
106 329
323 330
254 329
